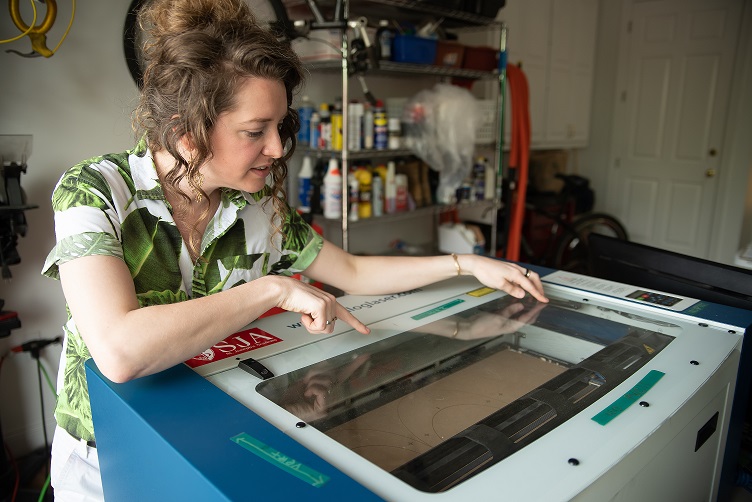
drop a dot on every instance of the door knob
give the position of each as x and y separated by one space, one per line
710 173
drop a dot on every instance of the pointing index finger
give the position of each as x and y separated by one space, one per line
344 315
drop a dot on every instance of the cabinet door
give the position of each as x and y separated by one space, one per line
570 75
554 43
529 25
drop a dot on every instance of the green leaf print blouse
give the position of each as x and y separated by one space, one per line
114 205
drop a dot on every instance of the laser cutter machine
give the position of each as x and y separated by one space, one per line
460 392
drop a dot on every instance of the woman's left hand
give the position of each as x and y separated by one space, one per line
506 276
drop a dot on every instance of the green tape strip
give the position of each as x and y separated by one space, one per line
628 399
438 309
292 466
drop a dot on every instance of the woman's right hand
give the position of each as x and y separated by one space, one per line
512 318
319 310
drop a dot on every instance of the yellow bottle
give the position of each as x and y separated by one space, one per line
381 171
337 125
364 177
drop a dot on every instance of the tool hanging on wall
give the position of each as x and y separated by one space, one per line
37 33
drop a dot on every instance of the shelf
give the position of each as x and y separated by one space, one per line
356 154
416 213
413 11
407 69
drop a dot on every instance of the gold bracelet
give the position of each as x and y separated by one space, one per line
457 264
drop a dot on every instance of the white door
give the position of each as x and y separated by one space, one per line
674 78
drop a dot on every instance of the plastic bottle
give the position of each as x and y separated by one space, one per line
367 126
354 126
304 184
381 171
325 127
464 191
305 110
317 185
490 191
385 35
479 179
395 133
333 190
400 197
380 130
390 188
315 130
336 119
353 197
377 196
365 179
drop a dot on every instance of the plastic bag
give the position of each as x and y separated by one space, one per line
440 127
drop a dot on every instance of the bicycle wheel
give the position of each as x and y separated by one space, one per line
269 13
573 253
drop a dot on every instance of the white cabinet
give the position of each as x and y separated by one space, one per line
554 43
570 72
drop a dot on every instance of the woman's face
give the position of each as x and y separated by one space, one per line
245 140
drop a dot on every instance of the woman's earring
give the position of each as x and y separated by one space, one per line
196 180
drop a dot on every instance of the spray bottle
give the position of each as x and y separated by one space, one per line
377 195
353 197
390 188
333 191
304 184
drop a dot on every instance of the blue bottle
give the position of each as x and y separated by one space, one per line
305 110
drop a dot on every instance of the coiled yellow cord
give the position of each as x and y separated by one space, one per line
37 34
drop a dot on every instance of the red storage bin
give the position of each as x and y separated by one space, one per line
480 58
449 54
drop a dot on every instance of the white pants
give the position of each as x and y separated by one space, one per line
74 470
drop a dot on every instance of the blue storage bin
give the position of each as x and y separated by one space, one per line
411 49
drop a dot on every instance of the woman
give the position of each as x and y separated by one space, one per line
166 249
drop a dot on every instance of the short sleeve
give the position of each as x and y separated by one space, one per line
85 221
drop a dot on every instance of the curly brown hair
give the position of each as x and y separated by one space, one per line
196 53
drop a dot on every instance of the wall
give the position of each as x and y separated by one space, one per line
734 210
77 105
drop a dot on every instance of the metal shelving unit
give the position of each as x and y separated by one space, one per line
403 10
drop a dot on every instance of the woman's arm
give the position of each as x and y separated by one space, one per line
391 274
128 342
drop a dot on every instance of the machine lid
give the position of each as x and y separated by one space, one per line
440 403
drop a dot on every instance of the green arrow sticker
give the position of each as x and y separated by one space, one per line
436 310
284 462
628 399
